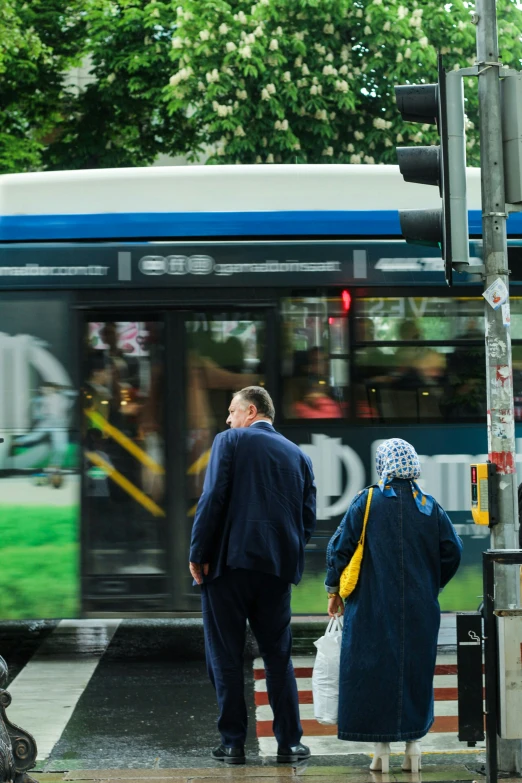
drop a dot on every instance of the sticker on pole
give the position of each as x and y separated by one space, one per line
497 294
506 314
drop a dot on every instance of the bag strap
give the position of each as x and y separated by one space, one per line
366 515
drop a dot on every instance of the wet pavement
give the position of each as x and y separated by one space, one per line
131 699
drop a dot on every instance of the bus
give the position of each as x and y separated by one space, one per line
135 302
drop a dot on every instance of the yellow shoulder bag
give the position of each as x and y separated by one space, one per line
350 575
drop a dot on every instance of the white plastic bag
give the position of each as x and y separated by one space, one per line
325 677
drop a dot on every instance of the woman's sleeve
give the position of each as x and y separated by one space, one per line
450 547
344 542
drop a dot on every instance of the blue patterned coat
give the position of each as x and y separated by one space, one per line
392 617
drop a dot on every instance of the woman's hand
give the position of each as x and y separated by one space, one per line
335 606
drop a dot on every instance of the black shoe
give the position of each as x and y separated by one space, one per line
292 754
229 755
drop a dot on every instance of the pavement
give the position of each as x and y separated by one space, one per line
268 774
130 701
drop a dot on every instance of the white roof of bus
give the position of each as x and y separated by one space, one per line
219 189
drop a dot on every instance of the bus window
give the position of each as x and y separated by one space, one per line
225 352
124 487
315 358
401 371
419 318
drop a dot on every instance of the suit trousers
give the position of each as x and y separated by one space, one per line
264 600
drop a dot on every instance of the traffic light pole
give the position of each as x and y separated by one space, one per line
500 417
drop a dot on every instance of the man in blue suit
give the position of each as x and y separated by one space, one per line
253 520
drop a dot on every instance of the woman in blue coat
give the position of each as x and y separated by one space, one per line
391 619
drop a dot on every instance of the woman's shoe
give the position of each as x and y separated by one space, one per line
381 757
412 757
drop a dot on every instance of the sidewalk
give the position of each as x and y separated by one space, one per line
436 768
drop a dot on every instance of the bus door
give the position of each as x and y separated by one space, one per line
225 350
124 536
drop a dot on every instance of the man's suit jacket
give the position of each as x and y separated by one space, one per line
257 510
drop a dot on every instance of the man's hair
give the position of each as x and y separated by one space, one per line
256 395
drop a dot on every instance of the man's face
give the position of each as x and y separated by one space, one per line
240 413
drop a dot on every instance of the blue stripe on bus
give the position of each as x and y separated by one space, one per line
214 224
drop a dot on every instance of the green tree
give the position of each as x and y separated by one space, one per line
121 117
39 41
312 80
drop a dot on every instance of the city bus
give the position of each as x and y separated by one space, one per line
135 302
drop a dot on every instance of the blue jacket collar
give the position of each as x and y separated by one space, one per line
263 424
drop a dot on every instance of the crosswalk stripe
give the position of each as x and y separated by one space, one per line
306 711
323 739
444 723
47 690
332 746
306 697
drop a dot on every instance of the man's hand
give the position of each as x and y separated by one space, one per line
335 606
198 570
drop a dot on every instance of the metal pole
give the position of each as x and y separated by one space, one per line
490 668
500 419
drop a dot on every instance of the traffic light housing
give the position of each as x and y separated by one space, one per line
443 165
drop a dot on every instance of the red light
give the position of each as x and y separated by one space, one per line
331 321
473 474
347 300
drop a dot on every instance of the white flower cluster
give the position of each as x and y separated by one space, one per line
241 17
329 70
222 109
223 29
367 30
320 49
287 76
328 152
267 92
242 95
270 158
212 76
369 159
345 54
359 135
204 35
423 41
305 70
316 89
355 159
402 12
230 47
381 124
245 52
248 38
239 131
341 85
387 26
329 29
177 43
321 114
281 125
181 76
274 45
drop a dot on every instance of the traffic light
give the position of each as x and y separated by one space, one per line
444 165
